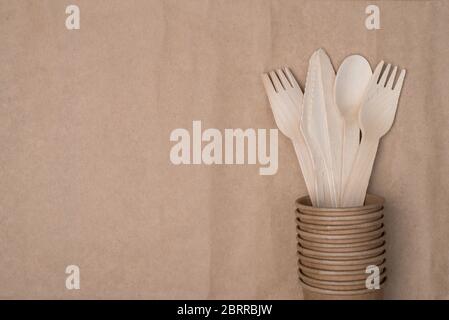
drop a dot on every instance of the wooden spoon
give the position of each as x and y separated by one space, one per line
352 79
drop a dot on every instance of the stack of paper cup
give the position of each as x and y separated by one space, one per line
341 250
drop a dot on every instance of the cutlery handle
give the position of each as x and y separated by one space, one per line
351 142
355 189
306 165
325 195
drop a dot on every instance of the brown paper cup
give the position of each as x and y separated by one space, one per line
339 220
312 293
341 255
343 229
338 285
340 239
341 265
336 245
372 203
343 247
340 275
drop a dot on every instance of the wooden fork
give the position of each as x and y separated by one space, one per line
375 119
286 100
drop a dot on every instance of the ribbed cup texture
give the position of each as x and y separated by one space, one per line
341 250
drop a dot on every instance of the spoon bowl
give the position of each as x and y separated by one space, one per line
352 78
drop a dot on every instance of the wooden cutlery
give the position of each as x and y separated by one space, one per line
375 119
324 124
320 118
286 100
352 78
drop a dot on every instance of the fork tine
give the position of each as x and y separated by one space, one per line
400 82
268 85
285 83
271 93
376 73
291 78
383 79
392 77
277 84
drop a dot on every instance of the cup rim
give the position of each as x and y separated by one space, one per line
382 275
375 201
353 236
381 266
326 228
304 217
354 262
340 255
355 230
342 245
340 292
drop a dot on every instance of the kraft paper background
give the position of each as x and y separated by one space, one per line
85 120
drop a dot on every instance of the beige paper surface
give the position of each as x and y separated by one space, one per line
85 120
